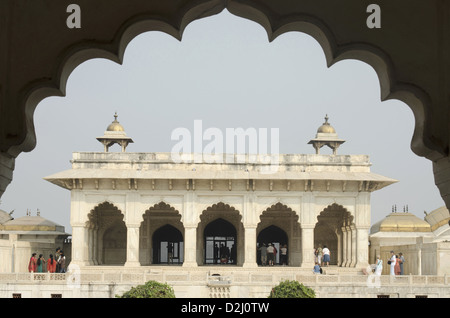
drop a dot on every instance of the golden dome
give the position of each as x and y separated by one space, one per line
326 128
401 222
115 126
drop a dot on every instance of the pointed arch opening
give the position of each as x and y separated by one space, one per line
279 226
220 236
107 235
168 245
336 231
161 236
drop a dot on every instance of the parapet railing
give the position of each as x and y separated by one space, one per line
235 278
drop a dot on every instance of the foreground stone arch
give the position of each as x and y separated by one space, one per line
32 70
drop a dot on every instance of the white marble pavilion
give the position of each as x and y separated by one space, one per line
140 209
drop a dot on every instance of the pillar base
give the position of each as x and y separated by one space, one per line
190 264
249 265
132 264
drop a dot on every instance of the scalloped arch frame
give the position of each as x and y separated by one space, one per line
83 51
396 76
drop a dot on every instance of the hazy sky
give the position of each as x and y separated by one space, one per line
225 73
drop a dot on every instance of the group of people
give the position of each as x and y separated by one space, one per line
268 254
395 263
54 264
224 255
322 255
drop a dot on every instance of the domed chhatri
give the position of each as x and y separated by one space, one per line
326 128
115 125
115 133
326 136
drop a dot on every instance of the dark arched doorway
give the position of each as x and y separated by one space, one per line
275 236
220 242
168 245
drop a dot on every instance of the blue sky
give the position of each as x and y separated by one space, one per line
226 73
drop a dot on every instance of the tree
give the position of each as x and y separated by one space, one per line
292 289
150 289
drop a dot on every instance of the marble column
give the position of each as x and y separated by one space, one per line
307 245
353 242
132 245
95 245
250 247
362 247
90 231
339 247
190 246
80 255
348 249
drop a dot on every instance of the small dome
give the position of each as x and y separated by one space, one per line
115 126
326 128
31 223
401 222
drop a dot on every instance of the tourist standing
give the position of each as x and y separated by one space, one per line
233 254
170 253
57 257
326 256
270 251
32 264
51 264
62 262
283 253
40 263
392 262
397 265
402 260
378 266
263 254
319 254
275 251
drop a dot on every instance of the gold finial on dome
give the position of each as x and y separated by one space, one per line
115 125
326 128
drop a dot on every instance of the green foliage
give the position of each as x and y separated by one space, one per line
292 289
150 289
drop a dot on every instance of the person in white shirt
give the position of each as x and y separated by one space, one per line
270 255
326 256
378 266
393 260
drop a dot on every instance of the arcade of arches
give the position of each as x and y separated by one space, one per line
220 235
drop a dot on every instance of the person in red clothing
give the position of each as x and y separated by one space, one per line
32 265
51 264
